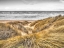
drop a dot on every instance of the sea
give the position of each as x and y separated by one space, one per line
28 15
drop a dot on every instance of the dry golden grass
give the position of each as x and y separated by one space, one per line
29 41
43 35
41 39
59 23
6 31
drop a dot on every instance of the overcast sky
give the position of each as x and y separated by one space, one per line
31 5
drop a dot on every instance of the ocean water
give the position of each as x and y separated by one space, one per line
28 15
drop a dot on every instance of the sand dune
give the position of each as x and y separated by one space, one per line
45 33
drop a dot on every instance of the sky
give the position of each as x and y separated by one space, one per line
31 5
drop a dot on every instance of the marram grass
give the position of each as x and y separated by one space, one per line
49 35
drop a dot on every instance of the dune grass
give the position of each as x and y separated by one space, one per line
49 37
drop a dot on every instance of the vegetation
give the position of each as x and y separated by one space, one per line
46 33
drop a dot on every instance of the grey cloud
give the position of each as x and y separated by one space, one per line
27 1
30 0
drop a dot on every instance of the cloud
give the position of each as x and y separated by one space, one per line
28 5
35 7
31 2
28 1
